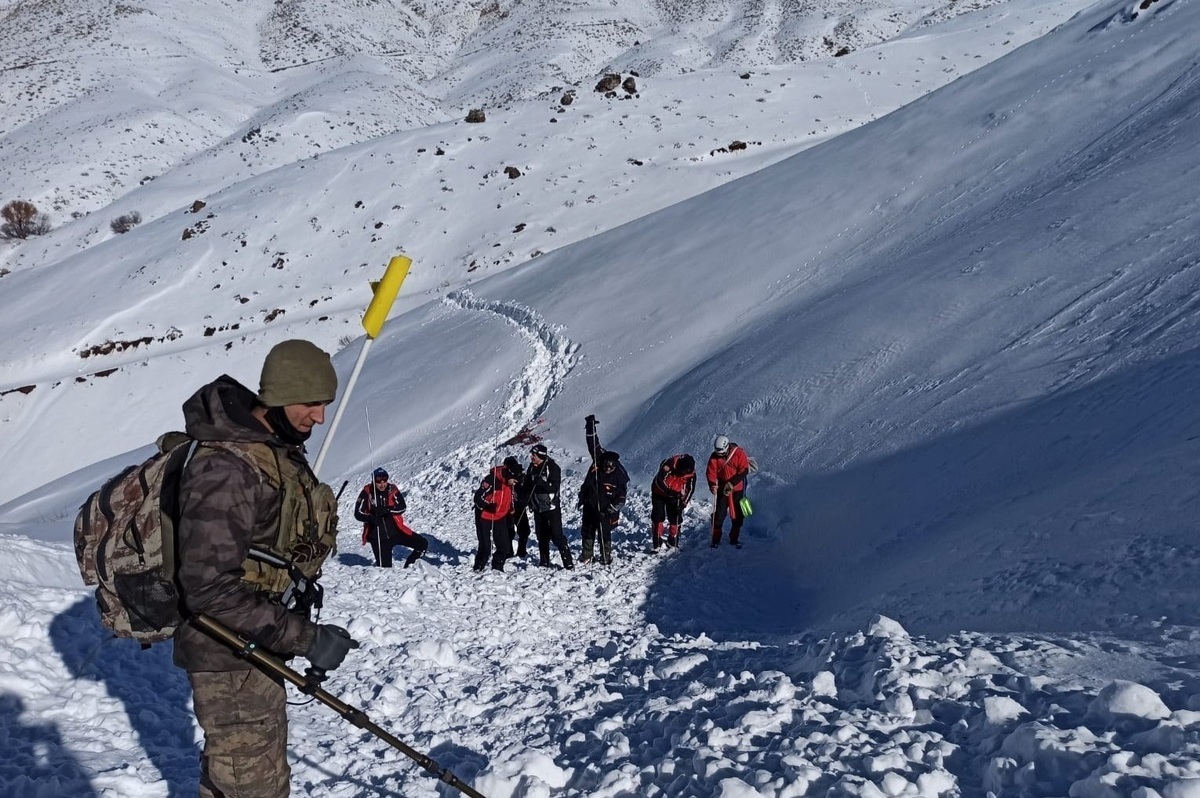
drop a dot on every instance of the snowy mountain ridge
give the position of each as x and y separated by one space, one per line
284 238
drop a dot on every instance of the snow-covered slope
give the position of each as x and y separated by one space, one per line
289 252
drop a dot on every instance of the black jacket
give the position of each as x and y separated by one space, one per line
541 488
606 493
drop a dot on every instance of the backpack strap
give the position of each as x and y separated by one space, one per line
170 501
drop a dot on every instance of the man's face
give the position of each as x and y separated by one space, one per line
380 482
306 416
535 459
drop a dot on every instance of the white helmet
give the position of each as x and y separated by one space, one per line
721 444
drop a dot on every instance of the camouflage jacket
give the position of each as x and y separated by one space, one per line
228 505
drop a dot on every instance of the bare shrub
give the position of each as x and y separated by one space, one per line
125 222
22 219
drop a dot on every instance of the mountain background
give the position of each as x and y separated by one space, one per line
931 264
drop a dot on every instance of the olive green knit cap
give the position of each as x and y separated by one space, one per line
295 373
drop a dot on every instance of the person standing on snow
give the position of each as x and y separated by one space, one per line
728 467
518 520
670 493
601 496
249 501
541 490
493 507
381 507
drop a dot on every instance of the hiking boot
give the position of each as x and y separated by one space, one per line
672 543
584 560
521 552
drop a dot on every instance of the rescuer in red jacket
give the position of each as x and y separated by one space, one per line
727 469
493 507
670 493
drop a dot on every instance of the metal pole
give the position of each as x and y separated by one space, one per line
309 685
341 408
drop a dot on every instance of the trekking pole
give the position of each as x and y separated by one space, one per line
596 471
308 684
341 491
372 321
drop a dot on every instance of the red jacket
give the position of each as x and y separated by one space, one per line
494 496
390 498
670 485
732 468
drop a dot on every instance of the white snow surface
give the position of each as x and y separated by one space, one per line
945 295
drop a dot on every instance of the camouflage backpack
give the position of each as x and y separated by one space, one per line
125 543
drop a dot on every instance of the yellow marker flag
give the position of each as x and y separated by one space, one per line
385 294
377 313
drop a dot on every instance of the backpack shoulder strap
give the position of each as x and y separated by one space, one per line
261 456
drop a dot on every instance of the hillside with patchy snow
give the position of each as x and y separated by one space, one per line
266 210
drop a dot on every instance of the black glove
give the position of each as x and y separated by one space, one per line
381 512
329 647
488 507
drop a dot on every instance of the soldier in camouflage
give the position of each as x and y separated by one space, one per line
249 500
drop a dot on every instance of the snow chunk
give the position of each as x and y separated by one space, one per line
824 684
900 704
439 652
1000 709
894 784
1184 788
887 761
937 782
736 788
679 665
527 774
1128 699
883 626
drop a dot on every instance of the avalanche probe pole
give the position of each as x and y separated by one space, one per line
372 321
309 685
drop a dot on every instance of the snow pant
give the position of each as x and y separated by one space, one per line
519 530
381 545
382 541
594 525
489 533
549 530
663 508
727 506
244 718
416 542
